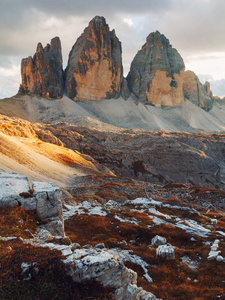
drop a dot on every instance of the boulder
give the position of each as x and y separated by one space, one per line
56 227
43 74
94 70
165 251
213 221
28 203
156 73
219 258
49 204
45 199
196 92
104 267
158 240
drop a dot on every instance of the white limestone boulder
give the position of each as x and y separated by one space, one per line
166 251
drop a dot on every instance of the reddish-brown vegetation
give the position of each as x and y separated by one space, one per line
51 281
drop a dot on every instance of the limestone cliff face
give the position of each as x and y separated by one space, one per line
156 73
94 70
43 74
196 92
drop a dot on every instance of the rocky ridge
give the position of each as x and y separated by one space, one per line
95 72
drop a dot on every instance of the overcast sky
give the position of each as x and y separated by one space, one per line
196 28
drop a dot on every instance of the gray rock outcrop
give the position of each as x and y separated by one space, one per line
156 73
43 74
196 92
106 268
45 200
95 70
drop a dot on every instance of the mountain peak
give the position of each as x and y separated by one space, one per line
97 20
156 73
94 70
158 39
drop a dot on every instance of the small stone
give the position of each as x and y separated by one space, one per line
62 240
158 240
29 233
66 241
75 246
55 227
193 239
207 243
219 258
100 246
88 246
213 221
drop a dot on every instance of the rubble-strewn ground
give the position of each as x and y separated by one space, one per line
180 213
125 215
45 277
121 212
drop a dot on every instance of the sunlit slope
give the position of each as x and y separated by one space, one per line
22 151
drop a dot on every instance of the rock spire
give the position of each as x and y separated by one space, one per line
95 70
43 74
196 92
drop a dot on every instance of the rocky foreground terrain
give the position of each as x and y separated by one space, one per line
106 235
136 214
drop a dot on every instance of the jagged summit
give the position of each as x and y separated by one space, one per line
165 57
98 21
95 70
43 74
156 73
